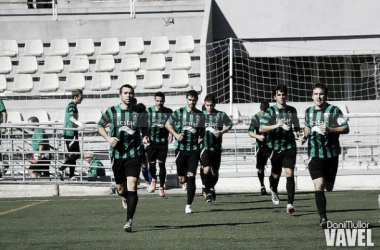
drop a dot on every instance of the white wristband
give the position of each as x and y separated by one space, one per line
78 123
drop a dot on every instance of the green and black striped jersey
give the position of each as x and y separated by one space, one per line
126 126
324 145
214 121
254 126
280 138
156 124
191 125
71 111
2 109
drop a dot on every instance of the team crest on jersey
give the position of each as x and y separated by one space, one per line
197 119
216 119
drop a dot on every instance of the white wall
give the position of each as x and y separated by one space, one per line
306 24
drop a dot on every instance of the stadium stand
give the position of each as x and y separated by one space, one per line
184 44
53 64
15 117
109 46
153 79
3 83
101 81
27 65
8 48
179 79
104 63
34 48
134 45
75 81
59 47
155 62
5 65
84 47
42 116
181 61
48 83
127 77
130 62
159 44
22 83
79 64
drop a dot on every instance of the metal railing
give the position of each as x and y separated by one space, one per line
360 149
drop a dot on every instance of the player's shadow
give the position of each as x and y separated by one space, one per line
239 209
232 224
352 210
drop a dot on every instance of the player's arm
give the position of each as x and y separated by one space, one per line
306 132
338 130
111 140
103 122
267 128
296 124
339 124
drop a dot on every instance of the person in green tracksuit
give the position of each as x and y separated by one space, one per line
96 166
323 125
40 146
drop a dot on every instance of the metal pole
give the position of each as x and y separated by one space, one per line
231 61
23 154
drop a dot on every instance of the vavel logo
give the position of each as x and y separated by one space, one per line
348 234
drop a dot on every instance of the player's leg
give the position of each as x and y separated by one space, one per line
214 177
132 171
120 179
205 157
161 159
181 164
151 153
192 164
274 178
262 156
289 163
317 171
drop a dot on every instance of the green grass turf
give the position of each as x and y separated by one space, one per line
233 221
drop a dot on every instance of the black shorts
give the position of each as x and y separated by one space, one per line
326 168
157 151
41 167
262 156
283 158
211 158
186 161
123 168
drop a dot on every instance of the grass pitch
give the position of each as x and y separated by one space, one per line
233 221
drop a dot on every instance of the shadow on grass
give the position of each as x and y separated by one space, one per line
165 227
352 210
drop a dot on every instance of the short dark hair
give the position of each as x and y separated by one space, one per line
33 119
141 107
320 86
134 101
264 105
192 93
159 94
210 98
126 86
281 88
76 93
